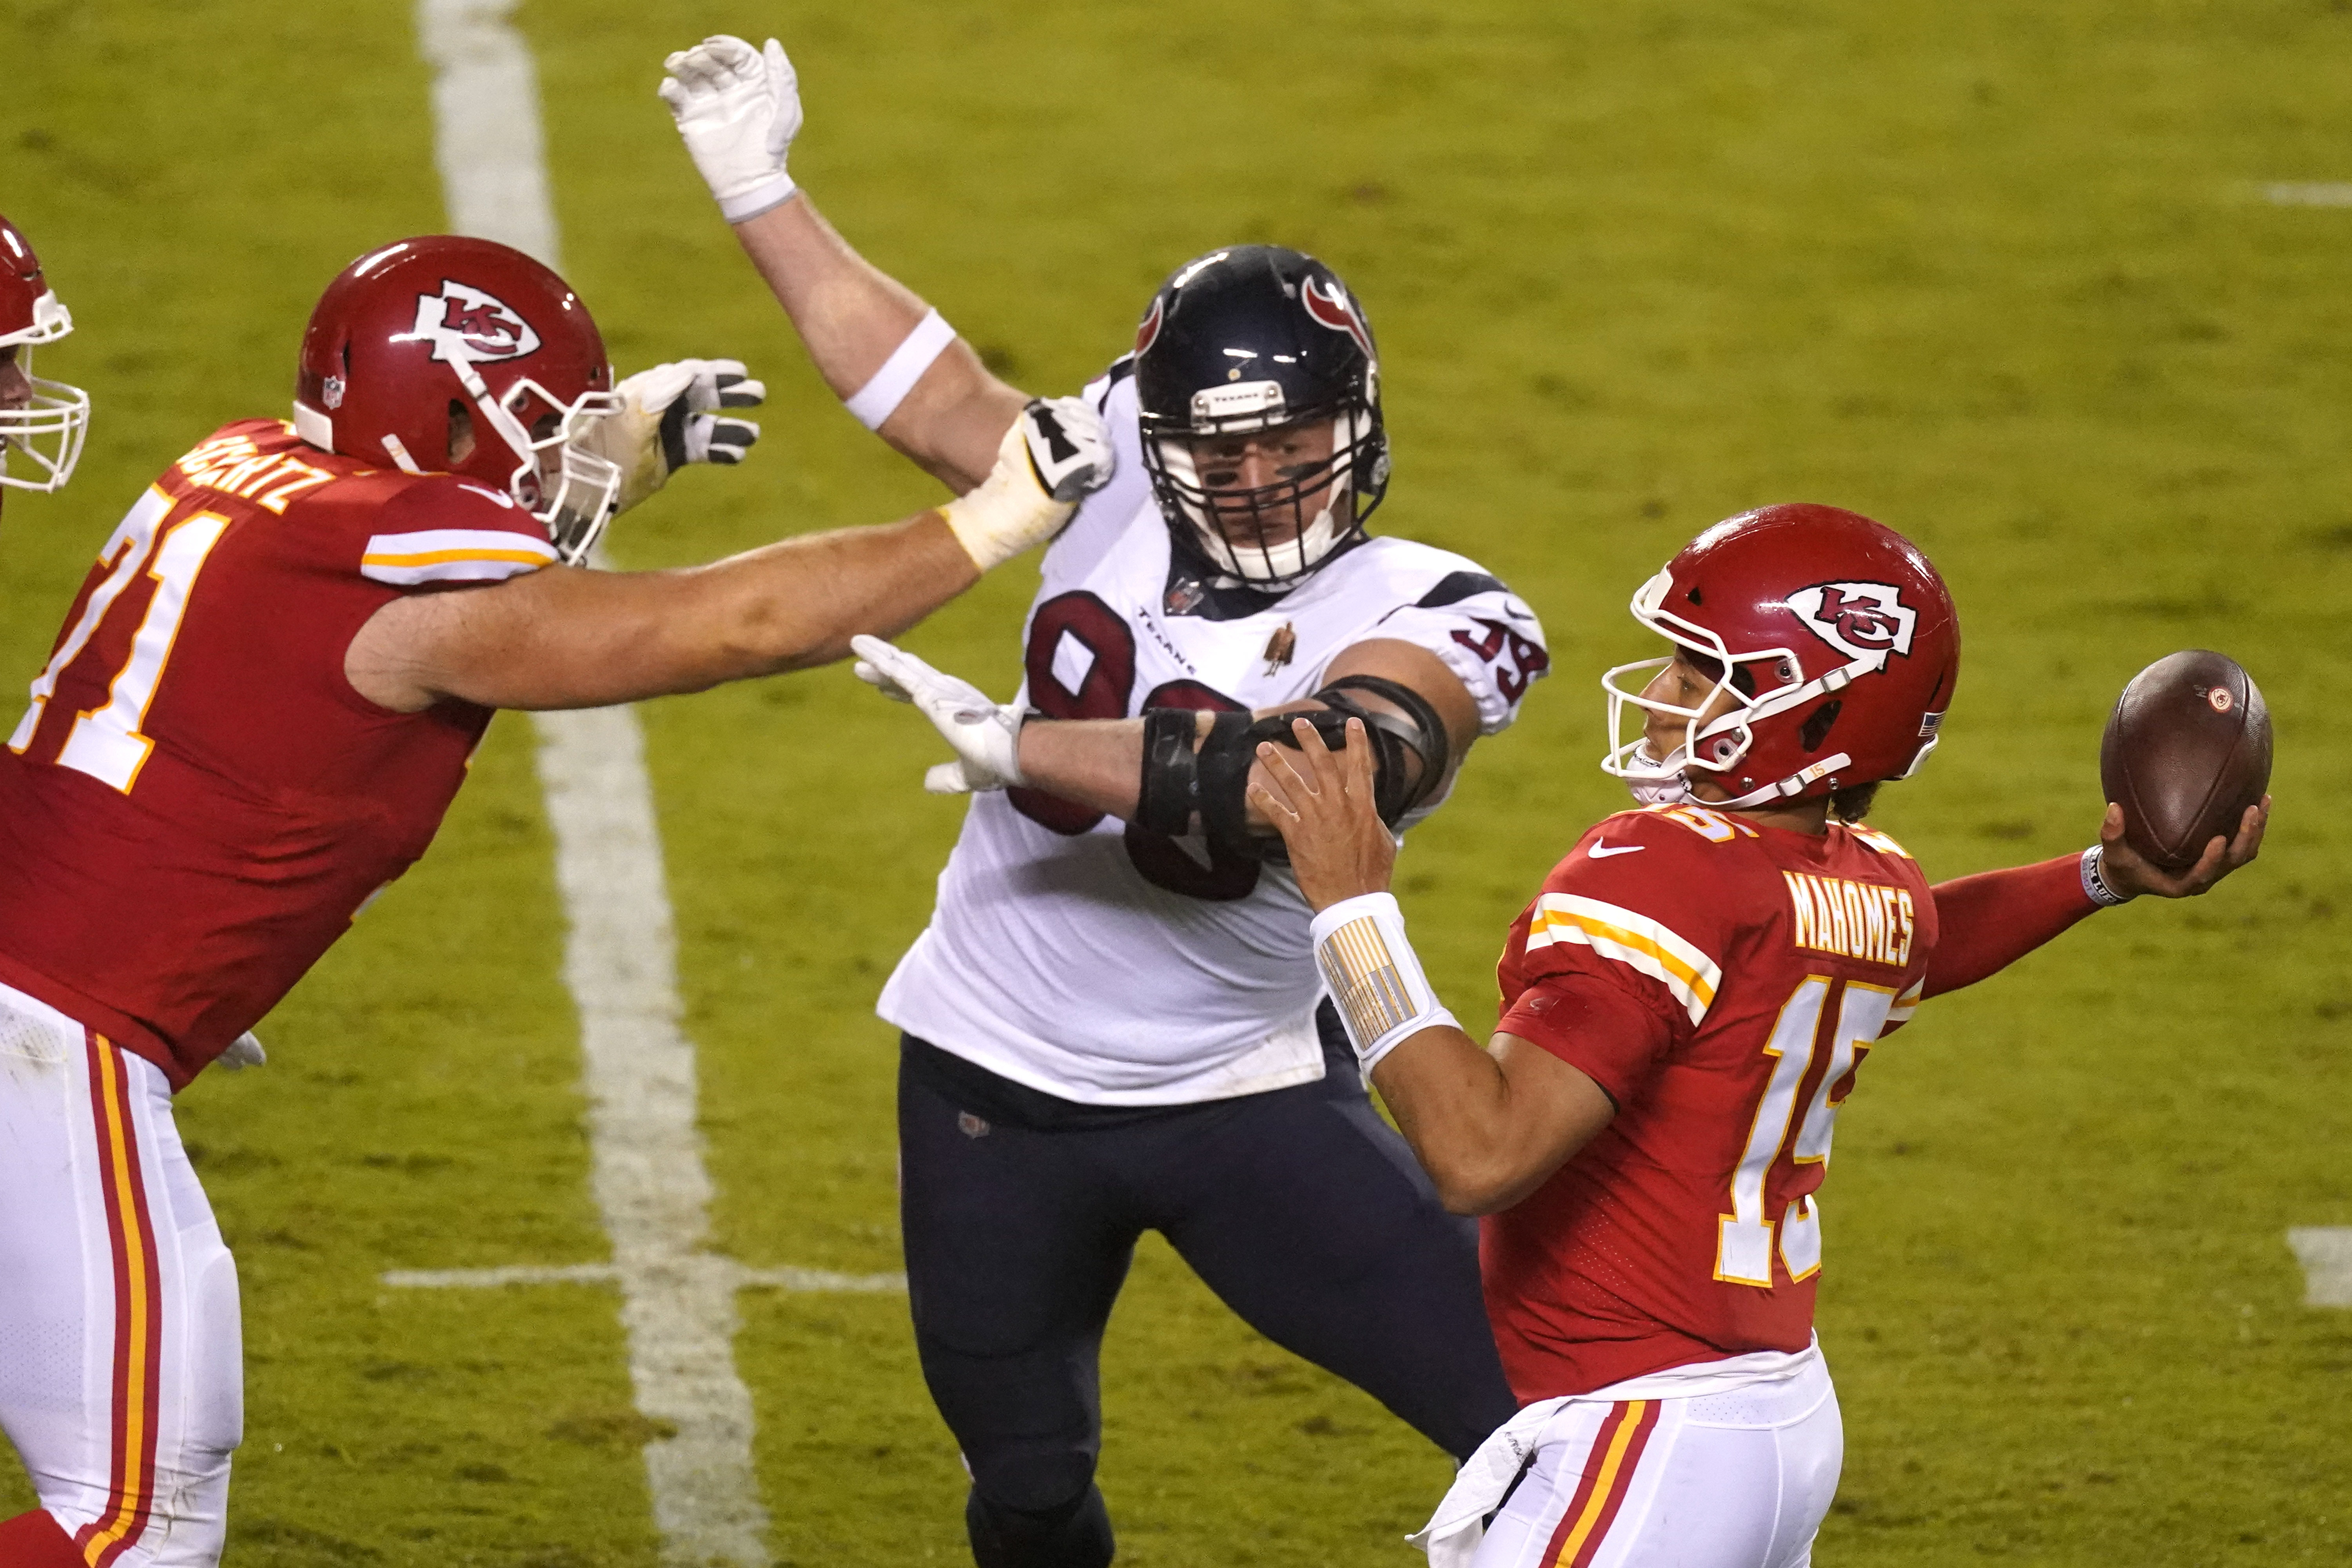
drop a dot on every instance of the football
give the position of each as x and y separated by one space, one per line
2187 750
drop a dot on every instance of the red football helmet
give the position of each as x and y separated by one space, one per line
43 420
447 354
1831 634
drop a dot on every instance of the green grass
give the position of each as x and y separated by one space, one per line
1992 273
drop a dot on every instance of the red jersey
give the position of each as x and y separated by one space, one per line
197 801
1723 983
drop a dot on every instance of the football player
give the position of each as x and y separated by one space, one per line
1111 1025
42 423
257 710
1685 1004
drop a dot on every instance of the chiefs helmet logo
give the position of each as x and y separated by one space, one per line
1858 619
465 324
1330 305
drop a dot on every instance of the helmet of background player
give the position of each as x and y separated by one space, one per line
1244 341
42 423
1834 637
445 355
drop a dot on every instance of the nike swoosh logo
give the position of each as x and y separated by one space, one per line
1602 851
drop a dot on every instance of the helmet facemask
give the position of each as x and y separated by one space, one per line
1759 682
556 479
1271 535
47 433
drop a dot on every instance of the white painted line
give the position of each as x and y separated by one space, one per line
2325 1253
492 1278
2308 192
620 960
784 1279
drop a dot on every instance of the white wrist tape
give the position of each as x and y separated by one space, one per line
880 397
744 206
1373 975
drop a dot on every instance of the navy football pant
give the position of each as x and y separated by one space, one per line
1302 1209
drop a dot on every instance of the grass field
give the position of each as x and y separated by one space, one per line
1997 274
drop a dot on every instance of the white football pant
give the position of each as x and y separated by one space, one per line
121 1362
1740 1479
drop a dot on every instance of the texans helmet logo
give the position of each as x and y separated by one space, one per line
465 324
1858 619
1330 305
1148 333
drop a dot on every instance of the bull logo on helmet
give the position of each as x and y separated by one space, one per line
1330 305
1861 620
1148 332
464 324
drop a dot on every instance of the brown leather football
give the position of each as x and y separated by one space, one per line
2187 750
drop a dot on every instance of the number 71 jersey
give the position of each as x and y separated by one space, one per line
1723 983
195 802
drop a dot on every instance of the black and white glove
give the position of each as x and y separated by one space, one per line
986 735
1050 458
674 415
737 108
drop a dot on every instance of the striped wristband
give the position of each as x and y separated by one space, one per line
1373 975
2094 884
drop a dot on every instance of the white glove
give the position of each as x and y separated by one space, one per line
674 415
245 1051
738 109
986 735
1050 458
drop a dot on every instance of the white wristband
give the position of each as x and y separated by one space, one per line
744 206
1374 976
880 397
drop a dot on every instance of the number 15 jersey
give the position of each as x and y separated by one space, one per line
1102 964
1722 981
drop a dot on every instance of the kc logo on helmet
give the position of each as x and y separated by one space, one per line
465 324
1858 619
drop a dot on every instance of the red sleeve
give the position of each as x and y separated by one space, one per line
1987 922
1611 1036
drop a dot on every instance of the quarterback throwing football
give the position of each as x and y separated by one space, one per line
1111 1023
257 710
1686 1005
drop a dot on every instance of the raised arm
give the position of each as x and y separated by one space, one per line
901 368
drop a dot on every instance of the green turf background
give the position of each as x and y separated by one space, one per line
1999 274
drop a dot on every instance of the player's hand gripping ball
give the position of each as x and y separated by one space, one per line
2184 763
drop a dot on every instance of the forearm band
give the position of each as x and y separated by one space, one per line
1171 789
1374 977
2095 885
881 396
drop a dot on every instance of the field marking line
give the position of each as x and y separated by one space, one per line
783 1278
2307 193
677 1300
2326 1254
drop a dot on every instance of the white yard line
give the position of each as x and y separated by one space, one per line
2307 193
619 958
2326 1254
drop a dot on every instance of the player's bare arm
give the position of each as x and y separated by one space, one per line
1111 764
568 637
1488 1125
878 344
565 637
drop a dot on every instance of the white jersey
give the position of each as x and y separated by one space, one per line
1107 964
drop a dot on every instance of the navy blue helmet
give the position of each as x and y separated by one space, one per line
1253 341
